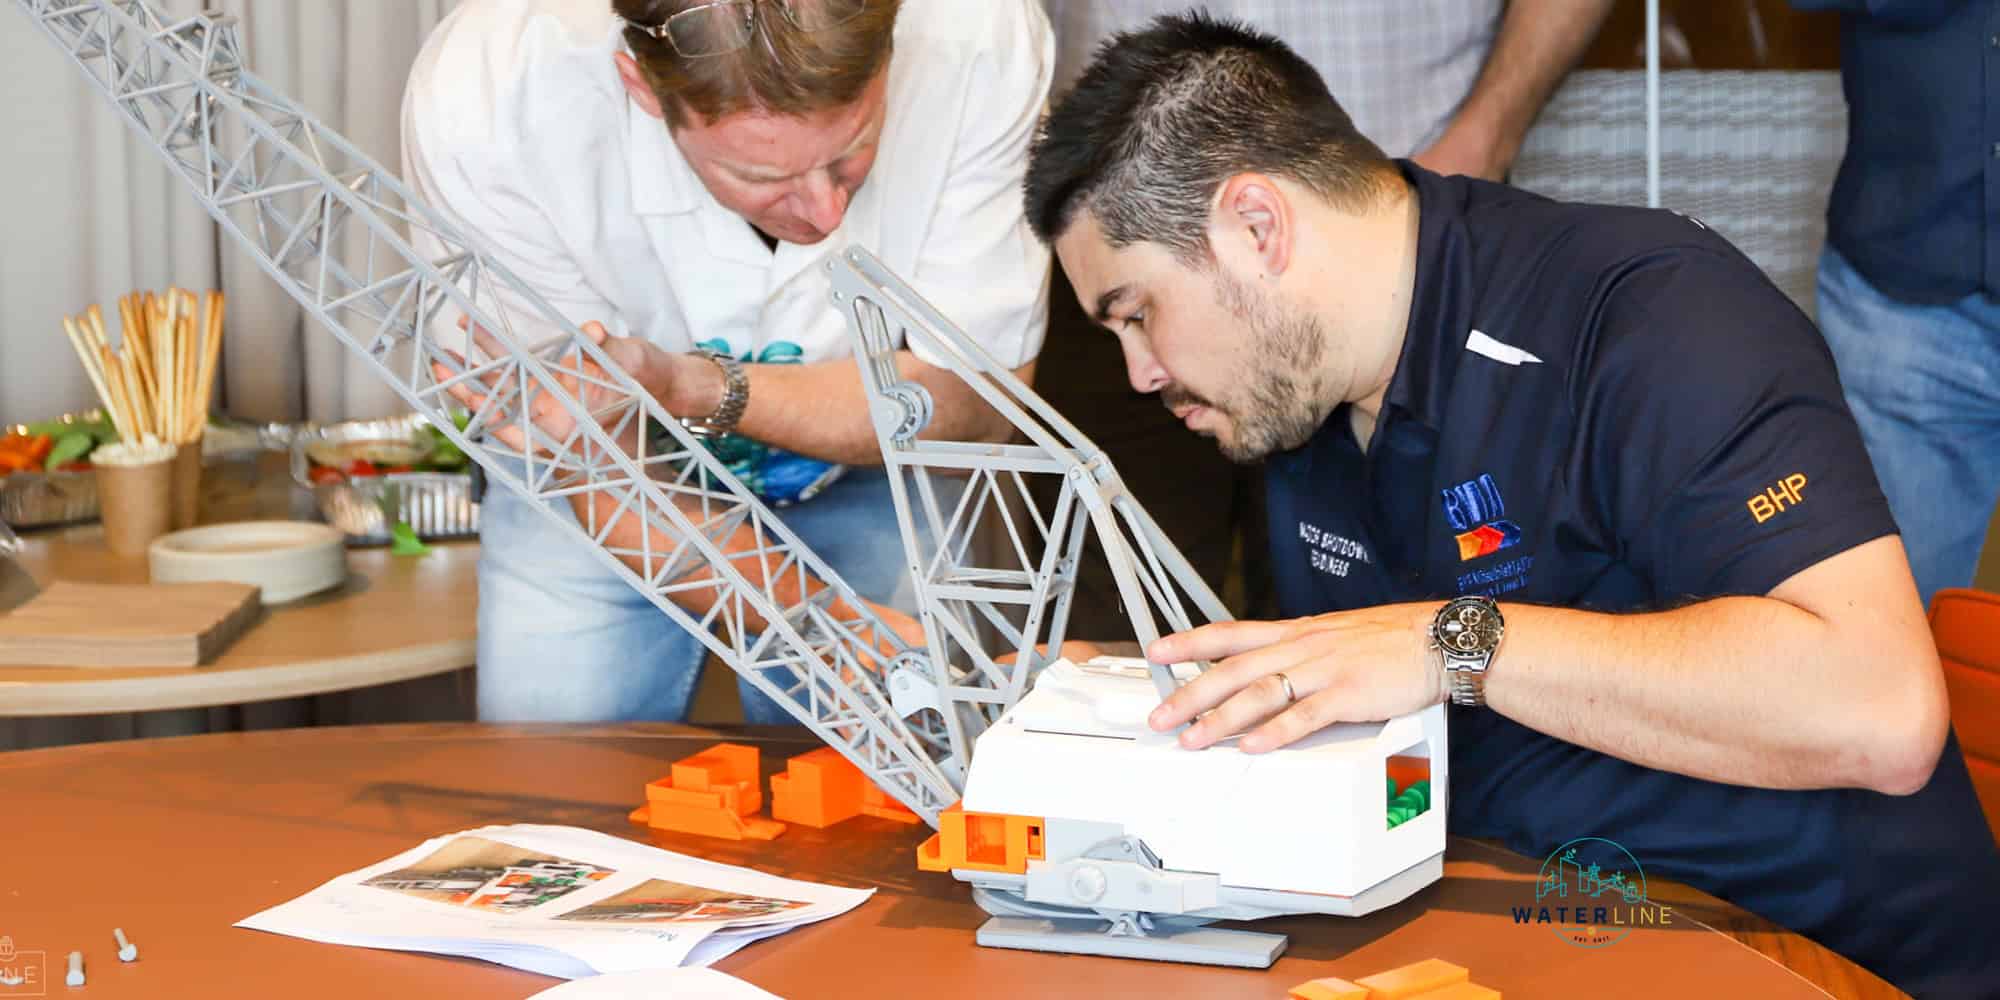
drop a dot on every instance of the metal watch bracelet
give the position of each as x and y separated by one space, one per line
735 398
1467 685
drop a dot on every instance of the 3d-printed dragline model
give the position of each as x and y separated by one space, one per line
1079 829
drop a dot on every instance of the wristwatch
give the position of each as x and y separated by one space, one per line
1465 634
735 396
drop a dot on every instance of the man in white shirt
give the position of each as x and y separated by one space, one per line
674 170
1453 84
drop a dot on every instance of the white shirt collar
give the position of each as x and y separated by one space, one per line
662 181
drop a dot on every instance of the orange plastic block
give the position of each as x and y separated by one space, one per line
1416 980
714 793
728 768
819 789
877 803
1461 991
1408 770
984 842
1328 989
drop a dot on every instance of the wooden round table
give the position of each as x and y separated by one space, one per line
396 618
175 840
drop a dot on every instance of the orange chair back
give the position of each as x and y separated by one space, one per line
1966 624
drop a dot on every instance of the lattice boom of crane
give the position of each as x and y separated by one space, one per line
328 225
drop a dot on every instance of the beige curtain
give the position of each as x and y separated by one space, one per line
92 212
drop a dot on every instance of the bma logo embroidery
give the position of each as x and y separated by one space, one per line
1476 512
1779 497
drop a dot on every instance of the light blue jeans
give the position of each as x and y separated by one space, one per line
1924 384
564 639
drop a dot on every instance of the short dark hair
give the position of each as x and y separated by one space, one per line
1165 114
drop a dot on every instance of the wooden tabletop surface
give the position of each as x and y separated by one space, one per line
396 618
175 840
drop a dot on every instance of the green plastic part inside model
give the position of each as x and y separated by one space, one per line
1410 803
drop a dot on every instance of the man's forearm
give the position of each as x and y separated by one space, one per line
820 410
1539 41
1746 690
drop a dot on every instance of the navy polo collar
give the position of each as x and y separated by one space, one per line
1441 299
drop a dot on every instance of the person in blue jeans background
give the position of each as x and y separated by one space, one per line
1908 279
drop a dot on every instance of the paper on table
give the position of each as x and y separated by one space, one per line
680 984
559 901
722 944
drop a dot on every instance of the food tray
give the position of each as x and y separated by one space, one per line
39 499
42 499
436 505
45 499
227 439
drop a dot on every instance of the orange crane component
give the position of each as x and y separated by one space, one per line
715 793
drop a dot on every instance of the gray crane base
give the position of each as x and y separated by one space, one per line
1004 894
1203 945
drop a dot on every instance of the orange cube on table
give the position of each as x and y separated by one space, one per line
1414 980
1328 989
820 788
715 793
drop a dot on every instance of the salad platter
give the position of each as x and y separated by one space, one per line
45 471
384 482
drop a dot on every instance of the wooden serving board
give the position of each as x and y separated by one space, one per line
127 625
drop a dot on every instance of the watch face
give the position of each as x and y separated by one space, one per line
1469 627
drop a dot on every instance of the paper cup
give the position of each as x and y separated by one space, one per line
135 496
186 500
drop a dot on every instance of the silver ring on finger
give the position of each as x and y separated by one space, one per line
1290 695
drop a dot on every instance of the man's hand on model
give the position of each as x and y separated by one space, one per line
685 384
1349 666
545 412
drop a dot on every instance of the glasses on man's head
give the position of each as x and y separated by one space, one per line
717 27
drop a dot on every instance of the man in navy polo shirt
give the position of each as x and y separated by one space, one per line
1608 420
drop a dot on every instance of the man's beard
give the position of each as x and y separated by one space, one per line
1276 405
